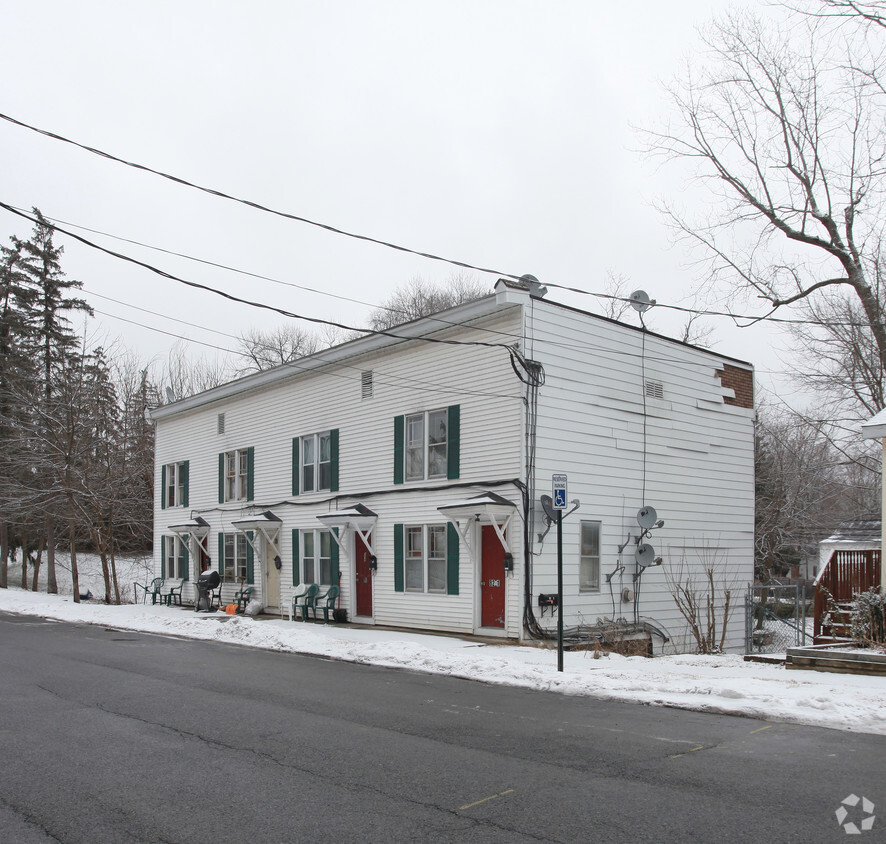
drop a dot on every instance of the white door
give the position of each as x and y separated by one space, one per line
272 578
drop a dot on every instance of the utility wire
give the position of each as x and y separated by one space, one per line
751 319
251 204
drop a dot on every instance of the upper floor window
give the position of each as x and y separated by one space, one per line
315 462
426 445
589 559
235 475
174 483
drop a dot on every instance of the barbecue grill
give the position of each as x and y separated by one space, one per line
207 581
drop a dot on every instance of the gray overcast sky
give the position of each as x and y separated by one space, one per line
496 133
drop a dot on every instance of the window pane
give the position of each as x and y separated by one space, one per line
589 561
415 430
437 421
590 538
308 478
414 579
325 571
309 543
241 556
413 542
436 575
323 482
324 448
436 461
415 464
309 570
244 461
307 444
325 544
437 542
229 556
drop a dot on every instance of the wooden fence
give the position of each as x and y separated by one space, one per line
845 575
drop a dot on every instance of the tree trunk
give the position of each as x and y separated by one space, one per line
4 555
75 577
51 583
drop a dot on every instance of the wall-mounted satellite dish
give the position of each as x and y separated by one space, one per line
640 301
647 517
170 395
644 555
547 504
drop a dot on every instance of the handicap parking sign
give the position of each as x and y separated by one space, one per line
558 483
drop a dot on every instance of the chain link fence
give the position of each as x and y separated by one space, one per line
776 617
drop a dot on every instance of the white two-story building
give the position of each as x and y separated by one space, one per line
407 467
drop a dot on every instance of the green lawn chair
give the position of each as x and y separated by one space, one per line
325 603
307 601
242 598
152 589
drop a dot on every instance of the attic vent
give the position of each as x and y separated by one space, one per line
366 384
654 390
221 423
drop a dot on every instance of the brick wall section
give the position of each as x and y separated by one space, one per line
739 380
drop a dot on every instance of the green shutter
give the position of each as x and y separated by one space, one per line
185 557
451 559
250 559
399 435
163 487
221 555
163 557
186 467
250 475
333 555
398 557
221 478
454 434
295 558
296 466
333 460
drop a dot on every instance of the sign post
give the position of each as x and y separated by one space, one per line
558 493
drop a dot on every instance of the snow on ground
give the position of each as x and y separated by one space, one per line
724 684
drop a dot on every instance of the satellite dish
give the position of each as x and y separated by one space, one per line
170 395
640 301
647 517
644 555
547 504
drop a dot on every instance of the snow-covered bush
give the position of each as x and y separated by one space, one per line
868 620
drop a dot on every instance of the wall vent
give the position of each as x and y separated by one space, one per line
366 384
654 390
220 427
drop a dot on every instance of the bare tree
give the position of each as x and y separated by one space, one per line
183 376
419 297
805 486
783 125
262 350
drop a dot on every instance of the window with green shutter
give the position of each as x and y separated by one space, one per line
427 445
236 475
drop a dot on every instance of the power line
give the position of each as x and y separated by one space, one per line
387 377
750 318
256 205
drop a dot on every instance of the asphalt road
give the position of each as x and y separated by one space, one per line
111 736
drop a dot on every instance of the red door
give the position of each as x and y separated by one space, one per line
364 577
492 581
